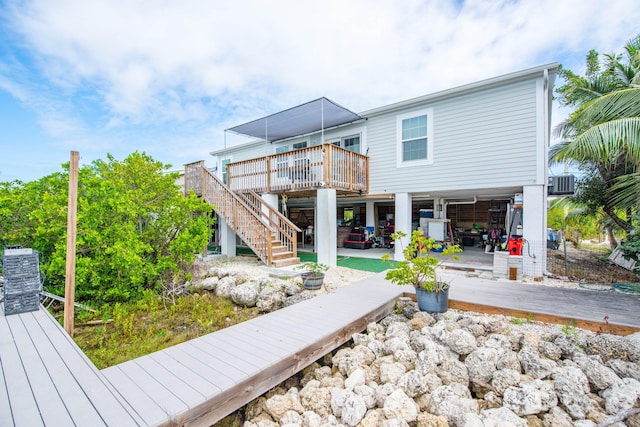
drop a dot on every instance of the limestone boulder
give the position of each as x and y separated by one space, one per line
572 387
530 397
452 401
245 294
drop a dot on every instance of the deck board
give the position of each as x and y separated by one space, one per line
69 390
52 409
47 380
245 360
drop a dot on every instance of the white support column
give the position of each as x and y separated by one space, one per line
436 212
271 200
227 239
534 230
370 216
403 223
326 227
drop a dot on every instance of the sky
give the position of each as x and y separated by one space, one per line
168 77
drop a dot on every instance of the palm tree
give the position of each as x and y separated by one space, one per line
603 134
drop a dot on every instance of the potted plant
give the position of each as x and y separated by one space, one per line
313 275
421 268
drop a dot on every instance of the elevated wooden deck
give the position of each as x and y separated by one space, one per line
45 379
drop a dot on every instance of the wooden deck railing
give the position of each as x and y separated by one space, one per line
323 166
284 230
251 228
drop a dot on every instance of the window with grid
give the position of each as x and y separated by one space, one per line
415 145
351 143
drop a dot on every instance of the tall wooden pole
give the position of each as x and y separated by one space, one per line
70 274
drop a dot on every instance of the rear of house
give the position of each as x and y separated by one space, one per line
468 164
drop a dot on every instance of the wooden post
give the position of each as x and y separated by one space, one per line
70 274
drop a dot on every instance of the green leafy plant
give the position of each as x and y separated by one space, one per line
420 266
570 330
313 268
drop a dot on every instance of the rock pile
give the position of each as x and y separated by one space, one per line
253 290
460 369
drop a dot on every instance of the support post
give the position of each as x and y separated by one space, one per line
534 230
227 239
326 227
370 216
403 223
70 272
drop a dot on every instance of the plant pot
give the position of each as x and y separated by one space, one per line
312 281
432 302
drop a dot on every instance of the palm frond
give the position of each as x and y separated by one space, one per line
614 105
626 191
605 141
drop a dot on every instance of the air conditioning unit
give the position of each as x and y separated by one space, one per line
561 185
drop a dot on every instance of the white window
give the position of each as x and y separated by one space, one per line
415 138
351 143
299 145
224 164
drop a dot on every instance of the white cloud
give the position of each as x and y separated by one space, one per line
182 71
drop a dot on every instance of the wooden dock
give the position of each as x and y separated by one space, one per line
606 312
47 380
201 381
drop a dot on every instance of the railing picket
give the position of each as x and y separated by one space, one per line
323 166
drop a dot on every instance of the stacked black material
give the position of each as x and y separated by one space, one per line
357 239
21 280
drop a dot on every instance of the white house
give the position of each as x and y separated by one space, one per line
464 156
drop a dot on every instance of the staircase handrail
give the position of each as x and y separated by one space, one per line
251 228
284 227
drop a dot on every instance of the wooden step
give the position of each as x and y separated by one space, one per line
279 249
285 262
283 255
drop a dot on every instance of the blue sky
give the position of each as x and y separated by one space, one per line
167 77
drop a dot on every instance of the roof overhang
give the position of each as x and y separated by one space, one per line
307 118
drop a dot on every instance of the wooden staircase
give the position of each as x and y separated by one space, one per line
268 233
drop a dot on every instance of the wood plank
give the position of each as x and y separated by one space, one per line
50 405
6 416
21 399
210 372
258 350
112 410
166 377
77 403
186 373
147 408
155 388
237 369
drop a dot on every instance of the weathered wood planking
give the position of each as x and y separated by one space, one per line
47 380
236 365
608 312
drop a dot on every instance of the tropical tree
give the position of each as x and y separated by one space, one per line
136 230
602 135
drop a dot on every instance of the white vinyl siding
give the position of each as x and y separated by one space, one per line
485 139
414 139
